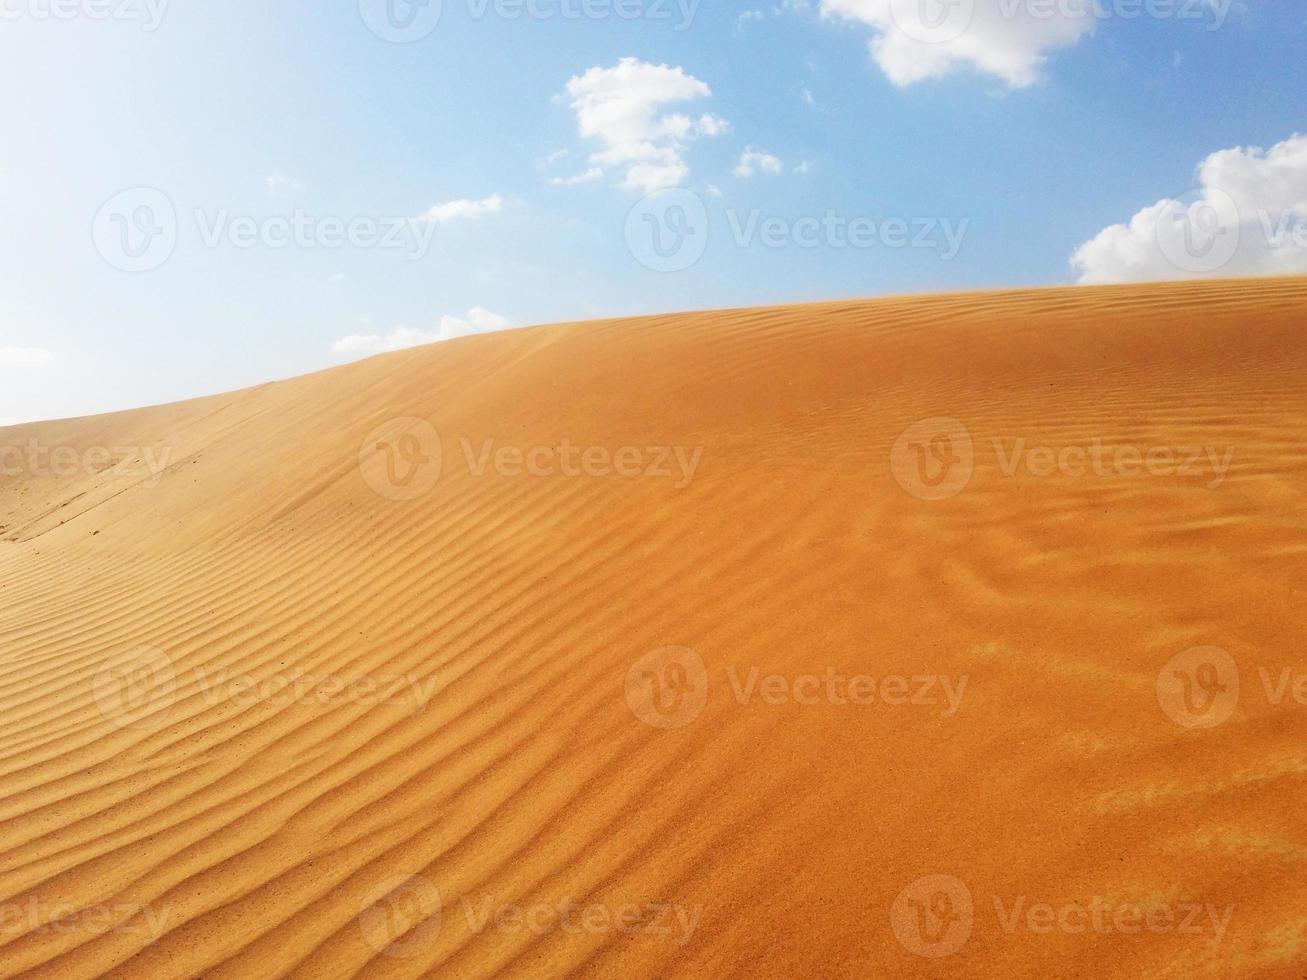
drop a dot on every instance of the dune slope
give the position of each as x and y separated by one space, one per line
950 636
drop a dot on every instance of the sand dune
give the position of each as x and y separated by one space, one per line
950 636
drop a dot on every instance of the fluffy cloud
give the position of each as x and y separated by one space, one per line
585 177
755 161
279 182
917 40
623 108
1247 217
710 125
29 358
476 321
454 210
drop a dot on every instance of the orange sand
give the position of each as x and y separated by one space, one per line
731 807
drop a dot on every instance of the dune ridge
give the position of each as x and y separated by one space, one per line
812 662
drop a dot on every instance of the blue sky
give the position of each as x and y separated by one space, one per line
1027 137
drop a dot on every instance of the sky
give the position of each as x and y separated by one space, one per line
197 197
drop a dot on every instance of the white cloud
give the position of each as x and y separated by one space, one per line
29 358
454 210
915 40
279 182
477 320
756 161
803 168
1247 217
711 125
585 177
622 107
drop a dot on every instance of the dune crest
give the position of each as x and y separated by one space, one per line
705 645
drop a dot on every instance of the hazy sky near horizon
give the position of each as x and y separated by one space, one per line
197 197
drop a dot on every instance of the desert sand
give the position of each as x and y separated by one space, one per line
946 636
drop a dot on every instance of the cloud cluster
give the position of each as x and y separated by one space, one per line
477 320
624 108
455 210
756 161
1247 217
916 40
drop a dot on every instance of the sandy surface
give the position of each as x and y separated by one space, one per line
955 636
